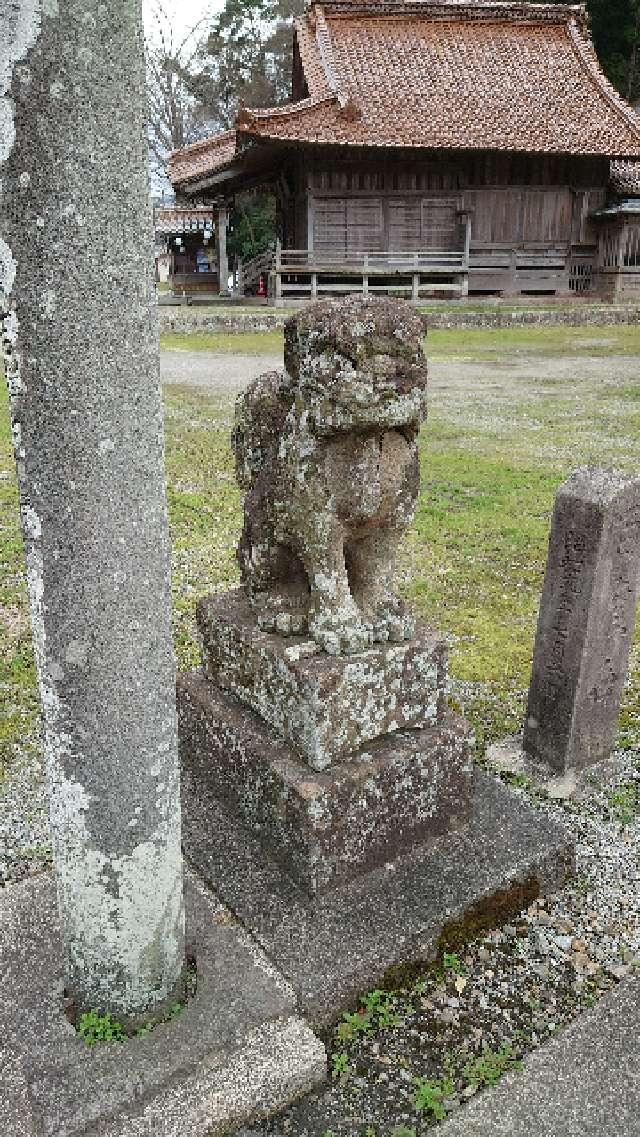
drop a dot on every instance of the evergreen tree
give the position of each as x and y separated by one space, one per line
246 58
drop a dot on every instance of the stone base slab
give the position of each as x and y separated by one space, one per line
329 827
237 1051
334 947
326 707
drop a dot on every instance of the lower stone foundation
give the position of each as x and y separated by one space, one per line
369 932
326 828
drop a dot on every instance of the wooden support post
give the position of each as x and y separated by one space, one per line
278 272
310 221
314 285
365 276
512 286
464 290
415 286
223 260
467 239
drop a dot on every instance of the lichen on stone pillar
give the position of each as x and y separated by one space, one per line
82 362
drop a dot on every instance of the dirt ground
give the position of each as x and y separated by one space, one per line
230 373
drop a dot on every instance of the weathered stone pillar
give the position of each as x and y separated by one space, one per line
81 350
586 622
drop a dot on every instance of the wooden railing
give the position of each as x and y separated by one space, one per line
311 271
371 263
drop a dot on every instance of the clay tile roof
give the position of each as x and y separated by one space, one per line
451 74
202 158
625 178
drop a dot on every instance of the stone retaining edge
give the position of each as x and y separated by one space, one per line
191 322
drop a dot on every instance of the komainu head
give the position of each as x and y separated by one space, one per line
358 362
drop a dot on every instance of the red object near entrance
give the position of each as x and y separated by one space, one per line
262 286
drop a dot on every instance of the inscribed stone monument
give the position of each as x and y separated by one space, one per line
586 621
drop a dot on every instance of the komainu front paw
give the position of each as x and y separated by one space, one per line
341 631
392 622
280 614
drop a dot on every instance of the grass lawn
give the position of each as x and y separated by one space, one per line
457 343
493 454
229 343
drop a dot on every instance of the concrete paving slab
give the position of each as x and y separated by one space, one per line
584 1083
334 947
236 1051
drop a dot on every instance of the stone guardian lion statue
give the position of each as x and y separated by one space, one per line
326 453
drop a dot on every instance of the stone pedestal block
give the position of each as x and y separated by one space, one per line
326 828
325 707
586 622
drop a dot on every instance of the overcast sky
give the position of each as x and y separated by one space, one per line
183 14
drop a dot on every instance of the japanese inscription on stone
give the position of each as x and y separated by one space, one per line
586 622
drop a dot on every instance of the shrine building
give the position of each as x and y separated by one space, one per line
436 147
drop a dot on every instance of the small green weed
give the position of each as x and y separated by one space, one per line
403 1131
519 781
353 1025
379 1011
431 1094
340 1067
383 1008
452 964
94 1028
490 1066
624 803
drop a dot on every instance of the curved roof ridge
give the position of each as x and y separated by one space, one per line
310 57
586 53
211 142
325 48
249 114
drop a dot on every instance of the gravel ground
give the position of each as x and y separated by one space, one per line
226 373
